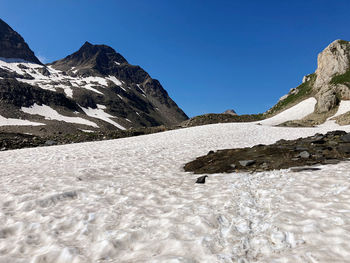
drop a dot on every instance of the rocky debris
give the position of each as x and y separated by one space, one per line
301 154
11 141
201 180
345 138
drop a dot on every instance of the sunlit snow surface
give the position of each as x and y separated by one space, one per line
128 200
297 112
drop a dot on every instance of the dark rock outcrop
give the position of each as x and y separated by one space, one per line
24 95
330 148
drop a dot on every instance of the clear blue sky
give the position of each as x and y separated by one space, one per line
209 55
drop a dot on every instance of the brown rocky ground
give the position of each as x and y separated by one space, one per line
213 118
330 148
11 140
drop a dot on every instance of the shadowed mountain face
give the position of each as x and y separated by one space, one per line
103 61
12 45
94 88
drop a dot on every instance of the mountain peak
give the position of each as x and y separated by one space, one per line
12 45
90 56
87 44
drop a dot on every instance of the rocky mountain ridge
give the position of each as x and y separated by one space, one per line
92 89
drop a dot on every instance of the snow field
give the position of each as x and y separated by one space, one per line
128 200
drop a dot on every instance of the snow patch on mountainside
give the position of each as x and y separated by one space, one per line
115 80
99 113
13 63
51 114
296 112
344 107
17 122
56 79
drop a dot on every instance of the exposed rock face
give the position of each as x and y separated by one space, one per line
94 88
12 45
333 60
326 100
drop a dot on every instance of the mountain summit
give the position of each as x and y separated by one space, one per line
12 45
101 58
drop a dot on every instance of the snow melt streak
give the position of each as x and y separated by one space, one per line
128 200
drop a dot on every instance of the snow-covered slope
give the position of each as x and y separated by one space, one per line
297 112
128 200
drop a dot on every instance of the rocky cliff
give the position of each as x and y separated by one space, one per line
329 84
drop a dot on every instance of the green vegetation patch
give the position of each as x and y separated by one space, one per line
304 91
342 79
